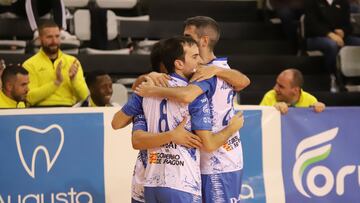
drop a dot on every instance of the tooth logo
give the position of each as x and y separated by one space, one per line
41 132
314 155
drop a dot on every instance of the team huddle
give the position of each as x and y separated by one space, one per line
184 122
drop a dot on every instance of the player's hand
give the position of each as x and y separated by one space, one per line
145 89
319 107
74 69
160 79
59 76
185 138
282 107
204 73
236 122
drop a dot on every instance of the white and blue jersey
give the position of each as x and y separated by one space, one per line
220 94
137 187
174 166
221 169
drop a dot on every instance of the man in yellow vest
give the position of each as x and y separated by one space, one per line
15 82
288 92
56 79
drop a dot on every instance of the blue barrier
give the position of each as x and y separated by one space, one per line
73 155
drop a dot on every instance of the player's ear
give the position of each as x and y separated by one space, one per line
179 64
204 41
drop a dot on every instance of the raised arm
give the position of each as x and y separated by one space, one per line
212 141
77 79
160 79
38 93
185 94
235 78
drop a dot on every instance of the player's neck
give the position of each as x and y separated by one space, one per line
207 56
181 74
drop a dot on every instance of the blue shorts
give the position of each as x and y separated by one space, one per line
168 195
222 187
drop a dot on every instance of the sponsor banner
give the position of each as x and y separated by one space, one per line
261 141
52 158
253 181
74 155
320 158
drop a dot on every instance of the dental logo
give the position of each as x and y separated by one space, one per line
40 132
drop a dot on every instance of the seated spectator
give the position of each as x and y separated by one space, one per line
56 79
34 9
13 94
288 92
289 11
100 86
328 28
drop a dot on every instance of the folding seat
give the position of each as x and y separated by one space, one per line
120 94
116 3
76 3
12 46
82 23
348 64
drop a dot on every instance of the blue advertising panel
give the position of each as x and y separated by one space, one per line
252 190
52 158
320 155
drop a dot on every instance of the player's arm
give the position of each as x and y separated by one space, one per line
120 120
185 94
132 108
212 141
235 78
142 139
160 79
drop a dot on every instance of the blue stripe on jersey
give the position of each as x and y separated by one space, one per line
218 59
143 157
134 105
208 86
200 114
192 152
175 75
139 123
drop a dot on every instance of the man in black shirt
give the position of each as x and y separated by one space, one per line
328 28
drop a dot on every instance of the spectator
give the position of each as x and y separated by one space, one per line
56 79
100 86
288 92
328 28
13 94
289 11
34 9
